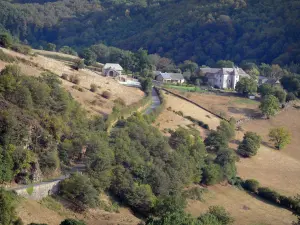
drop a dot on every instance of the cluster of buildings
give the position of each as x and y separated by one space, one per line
223 78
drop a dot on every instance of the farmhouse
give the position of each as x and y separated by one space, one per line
268 80
169 77
223 77
112 70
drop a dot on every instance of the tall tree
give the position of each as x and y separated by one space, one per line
269 105
280 136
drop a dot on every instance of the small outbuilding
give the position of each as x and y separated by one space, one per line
112 70
170 78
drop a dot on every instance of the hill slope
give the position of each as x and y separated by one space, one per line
204 31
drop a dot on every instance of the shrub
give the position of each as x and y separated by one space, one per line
30 190
287 202
205 126
221 214
106 94
79 189
212 174
249 145
268 194
93 88
6 58
195 193
74 79
72 222
24 49
251 185
64 76
6 40
291 97
79 64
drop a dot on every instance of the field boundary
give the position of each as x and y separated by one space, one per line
194 103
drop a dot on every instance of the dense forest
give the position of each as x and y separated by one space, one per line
202 31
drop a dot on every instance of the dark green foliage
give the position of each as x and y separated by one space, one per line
158 27
79 64
250 144
68 50
178 218
212 174
7 207
6 40
6 164
72 222
251 185
51 47
290 97
265 89
268 194
89 57
221 215
291 83
79 189
146 85
224 64
170 204
246 86
269 106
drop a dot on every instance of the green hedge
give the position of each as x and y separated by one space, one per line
272 196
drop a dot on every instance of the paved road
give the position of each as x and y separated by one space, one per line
79 167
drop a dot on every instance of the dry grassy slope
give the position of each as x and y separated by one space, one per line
245 209
32 211
93 102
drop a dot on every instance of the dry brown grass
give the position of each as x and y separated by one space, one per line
170 120
31 211
244 208
229 106
277 169
37 64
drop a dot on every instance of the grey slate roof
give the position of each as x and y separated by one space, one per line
172 76
113 66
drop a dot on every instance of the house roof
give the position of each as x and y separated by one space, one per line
114 66
172 76
223 71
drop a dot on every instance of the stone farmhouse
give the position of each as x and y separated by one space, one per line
176 78
112 70
224 78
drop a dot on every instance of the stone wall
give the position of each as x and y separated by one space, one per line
38 191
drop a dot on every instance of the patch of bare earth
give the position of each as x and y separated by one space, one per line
225 105
244 208
31 211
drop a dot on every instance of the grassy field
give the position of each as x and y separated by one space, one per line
225 105
184 88
170 120
245 209
52 212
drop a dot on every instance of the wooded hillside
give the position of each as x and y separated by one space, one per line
203 31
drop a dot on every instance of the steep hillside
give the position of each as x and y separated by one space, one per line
204 31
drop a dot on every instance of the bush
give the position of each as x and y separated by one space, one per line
72 222
79 64
6 58
250 144
6 40
106 94
65 76
291 97
251 185
93 88
195 193
79 189
205 126
212 174
24 49
74 79
268 194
